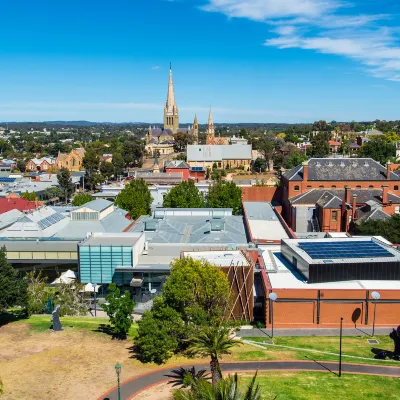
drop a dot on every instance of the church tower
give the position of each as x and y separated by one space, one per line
171 115
210 132
196 130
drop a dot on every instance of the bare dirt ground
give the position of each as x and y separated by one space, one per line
61 365
157 392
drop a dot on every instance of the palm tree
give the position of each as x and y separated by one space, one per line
225 389
186 377
213 341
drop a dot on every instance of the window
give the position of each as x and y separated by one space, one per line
397 210
370 186
333 186
309 187
334 216
296 188
358 187
321 186
396 187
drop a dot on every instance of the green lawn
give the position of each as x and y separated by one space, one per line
41 323
323 385
353 346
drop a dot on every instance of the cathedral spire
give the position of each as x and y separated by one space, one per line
210 118
171 96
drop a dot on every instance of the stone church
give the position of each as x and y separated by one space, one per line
162 139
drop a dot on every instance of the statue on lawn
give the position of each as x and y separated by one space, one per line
395 336
55 319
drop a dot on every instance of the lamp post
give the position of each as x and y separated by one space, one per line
118 371
376 296
94 291
272 296
340 347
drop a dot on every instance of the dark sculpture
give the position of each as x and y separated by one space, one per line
395 336
55 319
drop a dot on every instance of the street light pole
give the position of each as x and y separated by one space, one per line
376 296
94 291
340 347
118 371
272 296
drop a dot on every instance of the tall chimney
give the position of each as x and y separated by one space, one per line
354 207
388 169
305 171
385 189
347 194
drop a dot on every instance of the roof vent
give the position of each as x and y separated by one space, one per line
330 164
342 164
318 164
217 224
354 164
150 225
366 163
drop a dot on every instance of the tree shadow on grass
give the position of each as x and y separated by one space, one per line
381 354
12 316
106 328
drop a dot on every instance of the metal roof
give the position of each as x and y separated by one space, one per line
218 152
97 205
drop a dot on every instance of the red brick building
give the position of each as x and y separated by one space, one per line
194 173
8 204
330 194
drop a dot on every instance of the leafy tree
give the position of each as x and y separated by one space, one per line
295 159
31 196
118 163
226 389
184 195
197 290
225 195
21 165
213 341
133 152
379 149
91 161
135 198
260 165
119 309
320 126
391 137
93 180
160 332
81 198
13 289
320 145
65 181
38 292
52 192
266 146
107 169
388 228
72 298
182 140
181 156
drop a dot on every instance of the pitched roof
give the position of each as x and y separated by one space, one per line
375 214
341 169
176 164
218 152
7 204
97 205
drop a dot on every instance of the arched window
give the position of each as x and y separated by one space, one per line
371 186
296 188
321 186
333 186
309 187
358 187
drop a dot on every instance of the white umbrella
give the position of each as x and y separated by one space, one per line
65 277
89 287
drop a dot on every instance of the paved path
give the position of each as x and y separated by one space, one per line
312 332
137 384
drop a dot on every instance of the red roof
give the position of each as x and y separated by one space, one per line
16 204
334 143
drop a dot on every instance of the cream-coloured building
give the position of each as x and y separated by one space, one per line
224 156
72 160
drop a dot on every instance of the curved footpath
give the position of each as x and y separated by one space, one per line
133 386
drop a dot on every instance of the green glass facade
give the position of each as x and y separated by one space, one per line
97 264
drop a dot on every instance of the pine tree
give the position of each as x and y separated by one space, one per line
13 289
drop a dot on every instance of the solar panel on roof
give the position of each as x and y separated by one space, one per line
359 249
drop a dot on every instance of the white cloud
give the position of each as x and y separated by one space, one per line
325 27
155 68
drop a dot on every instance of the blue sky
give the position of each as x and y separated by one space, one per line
251 60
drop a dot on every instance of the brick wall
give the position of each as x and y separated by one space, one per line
324 308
